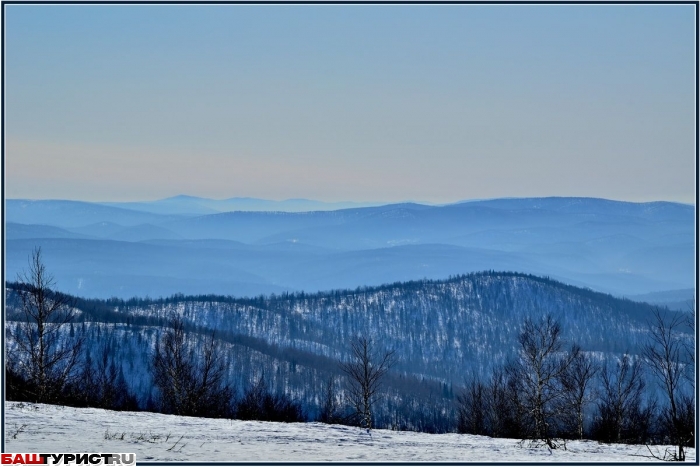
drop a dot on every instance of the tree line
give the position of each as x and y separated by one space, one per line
48 363
546 393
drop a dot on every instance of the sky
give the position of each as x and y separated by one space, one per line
434 103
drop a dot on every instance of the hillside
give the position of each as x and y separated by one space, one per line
439 327
442 332
167 438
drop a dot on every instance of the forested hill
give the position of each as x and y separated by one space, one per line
438 328
442 332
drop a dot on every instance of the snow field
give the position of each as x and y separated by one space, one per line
168 438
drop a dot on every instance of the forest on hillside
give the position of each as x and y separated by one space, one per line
451 355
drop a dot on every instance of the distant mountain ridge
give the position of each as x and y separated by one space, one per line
196 205
612 246
68 214
30 211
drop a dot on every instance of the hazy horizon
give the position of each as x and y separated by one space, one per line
438 103
341 201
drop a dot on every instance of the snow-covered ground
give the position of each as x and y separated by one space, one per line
167 438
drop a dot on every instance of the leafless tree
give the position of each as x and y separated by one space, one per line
577 382
331 404
492 407
46 355
191 377
621 416
664 355
259 403
365 371
472 409
538 370
102 383
689 345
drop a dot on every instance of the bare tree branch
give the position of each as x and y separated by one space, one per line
46 355
365 371
664 354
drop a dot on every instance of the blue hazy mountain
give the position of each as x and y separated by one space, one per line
15 231
67 214
100 251
194 205
680 300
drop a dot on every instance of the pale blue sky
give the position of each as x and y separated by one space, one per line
353 102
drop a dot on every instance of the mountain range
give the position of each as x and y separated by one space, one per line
188 245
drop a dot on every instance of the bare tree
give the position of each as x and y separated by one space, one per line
102 383
330 407
46 355
689 345
365 371
259 403
664 355
504 414
191 378
472 409
538 370
621 417
577 381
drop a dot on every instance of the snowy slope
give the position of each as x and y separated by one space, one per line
167 438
